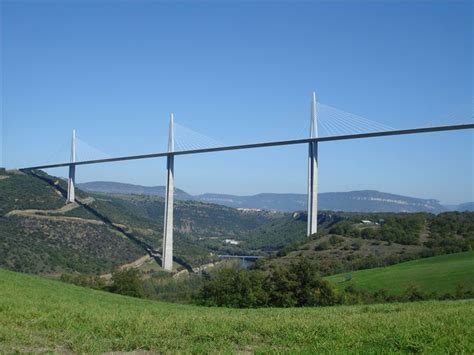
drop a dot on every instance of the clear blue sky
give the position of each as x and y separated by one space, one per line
239 72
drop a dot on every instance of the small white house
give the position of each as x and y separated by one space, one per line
232 242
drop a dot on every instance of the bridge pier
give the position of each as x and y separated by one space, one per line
313 173
167 263
71 182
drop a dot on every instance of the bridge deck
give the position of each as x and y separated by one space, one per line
265 144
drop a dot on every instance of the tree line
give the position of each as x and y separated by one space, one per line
298 284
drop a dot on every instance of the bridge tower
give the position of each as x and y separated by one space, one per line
71 182
167 263
313 173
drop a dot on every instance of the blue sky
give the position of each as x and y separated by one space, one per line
241 72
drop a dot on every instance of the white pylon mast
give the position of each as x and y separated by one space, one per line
313 172
167 263
71 194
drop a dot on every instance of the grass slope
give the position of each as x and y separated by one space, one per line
439 274
44 315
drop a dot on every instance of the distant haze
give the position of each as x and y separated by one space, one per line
354 201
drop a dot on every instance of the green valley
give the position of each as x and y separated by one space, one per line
40 234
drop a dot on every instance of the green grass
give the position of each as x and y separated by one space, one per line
439 274
45 315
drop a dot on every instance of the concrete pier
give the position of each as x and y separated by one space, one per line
71 182
313 173
169 201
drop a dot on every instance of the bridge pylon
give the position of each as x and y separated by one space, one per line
71 182
167 263
313 172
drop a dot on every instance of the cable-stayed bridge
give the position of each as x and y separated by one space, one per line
337 126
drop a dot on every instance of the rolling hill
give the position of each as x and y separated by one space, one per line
385 239
468 206
354 201
40 234
129 189
40 315
439 274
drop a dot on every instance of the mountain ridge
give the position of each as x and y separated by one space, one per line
351 201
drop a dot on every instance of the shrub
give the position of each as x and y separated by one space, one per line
357 244
324 245
90 281
232 287
463 291
296 285
127 282
335 240
280 286
413 293
310 289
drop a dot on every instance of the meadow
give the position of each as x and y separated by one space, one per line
38 314
440 275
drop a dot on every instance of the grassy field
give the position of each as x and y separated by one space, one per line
45 315
439 274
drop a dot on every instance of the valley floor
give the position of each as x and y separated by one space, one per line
45 315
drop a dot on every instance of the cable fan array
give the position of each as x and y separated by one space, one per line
335 122
84 151
188 139
331 121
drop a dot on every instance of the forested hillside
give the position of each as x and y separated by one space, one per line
41 234
362 241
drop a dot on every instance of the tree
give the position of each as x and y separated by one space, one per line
233 287
311 289
127 282
280 285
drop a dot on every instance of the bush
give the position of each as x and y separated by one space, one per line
463 291
413 293
127 282
357 244
280 286
335 240
296 285
90 281
324 245
310 289
232 287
